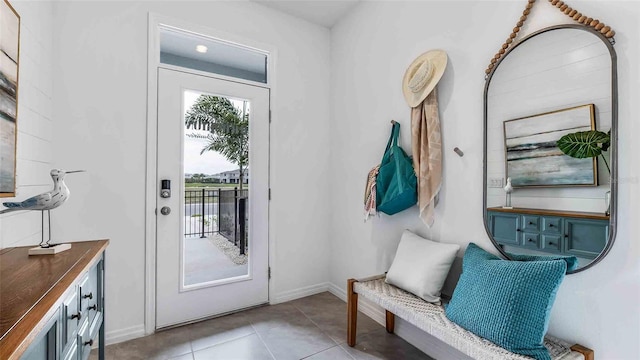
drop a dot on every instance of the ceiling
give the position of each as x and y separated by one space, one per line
324 13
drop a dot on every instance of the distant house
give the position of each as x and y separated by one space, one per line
232 177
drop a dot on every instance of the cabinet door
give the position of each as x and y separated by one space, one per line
45 346
585 238
505 228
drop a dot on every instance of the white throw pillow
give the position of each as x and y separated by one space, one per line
421 266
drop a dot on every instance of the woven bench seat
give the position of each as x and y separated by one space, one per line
431 319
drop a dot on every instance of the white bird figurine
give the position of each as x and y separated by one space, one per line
45 201
508 189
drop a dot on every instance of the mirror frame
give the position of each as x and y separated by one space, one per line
613 150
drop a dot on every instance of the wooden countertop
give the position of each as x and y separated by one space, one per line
545 212
31 287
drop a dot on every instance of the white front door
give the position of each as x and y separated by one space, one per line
212 258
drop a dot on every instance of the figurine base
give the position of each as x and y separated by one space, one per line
52 250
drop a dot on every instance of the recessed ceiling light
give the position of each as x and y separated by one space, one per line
201 49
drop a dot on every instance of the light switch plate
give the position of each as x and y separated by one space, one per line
496 183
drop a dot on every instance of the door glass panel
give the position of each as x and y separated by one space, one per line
216 188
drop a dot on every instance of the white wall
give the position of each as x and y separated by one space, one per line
370 50
34 122
100 84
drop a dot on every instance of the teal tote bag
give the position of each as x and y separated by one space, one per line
396 185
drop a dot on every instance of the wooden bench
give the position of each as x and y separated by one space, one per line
431 319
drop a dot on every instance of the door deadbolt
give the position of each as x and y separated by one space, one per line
165 210
165 189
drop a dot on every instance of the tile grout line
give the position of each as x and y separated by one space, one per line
338 346
255 331
222 342
193 354
315 324
322 331
341 341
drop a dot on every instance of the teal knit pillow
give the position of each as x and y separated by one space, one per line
508 302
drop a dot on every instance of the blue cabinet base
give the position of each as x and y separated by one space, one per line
553 232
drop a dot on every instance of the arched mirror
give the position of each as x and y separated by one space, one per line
553 93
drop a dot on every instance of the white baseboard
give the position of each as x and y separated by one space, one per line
426 342
134 332
373 311
121 335
337 291
299 293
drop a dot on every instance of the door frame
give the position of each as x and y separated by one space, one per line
155 22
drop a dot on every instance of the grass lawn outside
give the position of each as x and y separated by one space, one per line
198 186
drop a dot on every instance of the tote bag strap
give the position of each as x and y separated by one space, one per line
392 143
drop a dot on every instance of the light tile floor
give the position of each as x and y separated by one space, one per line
313 328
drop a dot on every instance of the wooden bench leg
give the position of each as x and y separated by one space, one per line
391 321
588 353
352 313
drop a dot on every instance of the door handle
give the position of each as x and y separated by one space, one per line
165 210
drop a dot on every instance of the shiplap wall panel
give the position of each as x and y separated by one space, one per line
551 71
35 125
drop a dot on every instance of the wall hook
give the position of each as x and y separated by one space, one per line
458 151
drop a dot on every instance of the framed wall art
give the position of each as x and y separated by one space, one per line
9 56
532 157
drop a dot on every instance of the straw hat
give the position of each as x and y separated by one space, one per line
423 75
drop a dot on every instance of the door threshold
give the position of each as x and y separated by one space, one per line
211 317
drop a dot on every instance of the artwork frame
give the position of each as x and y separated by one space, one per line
9 80
532 158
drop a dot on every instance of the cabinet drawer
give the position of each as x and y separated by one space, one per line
84 293
552 225
530 223
93 297
84 341
89 294
71 353
70 319
552 242
531 240
87 336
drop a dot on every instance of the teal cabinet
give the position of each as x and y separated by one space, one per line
547 231
77 324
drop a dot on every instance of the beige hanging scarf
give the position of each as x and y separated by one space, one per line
426 146
419 90
370 194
